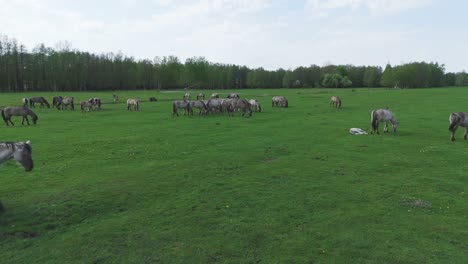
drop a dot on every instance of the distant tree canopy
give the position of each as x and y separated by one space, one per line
65 69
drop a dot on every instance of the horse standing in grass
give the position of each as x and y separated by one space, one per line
181 105
233 96
68 101
458 119
187 96
279 101
115 98
214 95
335 101
255 105
20 151
25 102
40 100
214 105
201 96
95 102
382 115
86 106
56 101
242 105
133 104
8 112
203 109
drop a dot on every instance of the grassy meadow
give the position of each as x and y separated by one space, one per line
284 186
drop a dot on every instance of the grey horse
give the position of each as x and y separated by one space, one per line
20 151
242 105
39 99
382 115
203 109
8 112
57 101
68 101
279 101
178 104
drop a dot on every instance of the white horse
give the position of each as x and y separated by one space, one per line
382 115
20 151
456 120
255 105
133 104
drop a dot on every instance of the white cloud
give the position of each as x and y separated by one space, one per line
321 8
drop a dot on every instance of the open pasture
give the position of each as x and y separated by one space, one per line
288 185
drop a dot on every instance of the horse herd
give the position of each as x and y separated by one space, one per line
231 104
21 151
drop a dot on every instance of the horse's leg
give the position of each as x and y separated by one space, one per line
11 122
466 133
27 120
452 133
385 127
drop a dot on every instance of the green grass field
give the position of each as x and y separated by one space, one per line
284 186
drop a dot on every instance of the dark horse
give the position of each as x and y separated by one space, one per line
20 151
8 112
57 101
38 99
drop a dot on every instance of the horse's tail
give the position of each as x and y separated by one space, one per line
374 120
3 115
454 120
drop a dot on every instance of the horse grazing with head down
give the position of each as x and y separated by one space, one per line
56 101
279 101
68 101
240 105
86 106
8 112
133 104
38 99
382 115
458 119
255 105
335 101
20 151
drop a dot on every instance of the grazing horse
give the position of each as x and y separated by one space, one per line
40 100
225 104
8 112
68 101
214 95
233 96
153 99
133 103
200 105
181 105
20 151
382 115
201 96
279 101
115 98
456 120
214 105
335 101
86 106
187 96
57 101
95 102
255 105
242 105
25 102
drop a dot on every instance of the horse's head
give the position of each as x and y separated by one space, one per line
395 125
23 155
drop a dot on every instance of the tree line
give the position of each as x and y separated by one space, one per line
65 69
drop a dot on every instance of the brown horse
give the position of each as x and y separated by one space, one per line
459 119
335 101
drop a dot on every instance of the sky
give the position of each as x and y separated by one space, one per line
256 33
